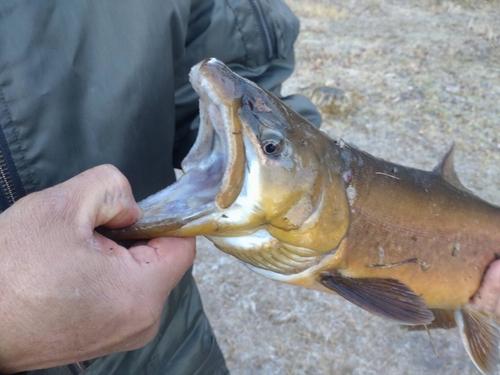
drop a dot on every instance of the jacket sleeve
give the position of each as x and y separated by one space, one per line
255 38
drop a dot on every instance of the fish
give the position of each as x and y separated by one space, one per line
296 206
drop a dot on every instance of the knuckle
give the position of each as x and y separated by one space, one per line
113 175
116 184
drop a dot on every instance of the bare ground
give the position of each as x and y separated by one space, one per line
421 74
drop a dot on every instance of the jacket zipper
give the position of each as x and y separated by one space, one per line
6 182
78 367
264 27
11 187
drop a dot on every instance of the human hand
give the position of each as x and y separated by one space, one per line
69 294
488 295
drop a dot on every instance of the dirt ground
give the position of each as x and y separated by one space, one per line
420 74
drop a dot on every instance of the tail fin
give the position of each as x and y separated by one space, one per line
481 337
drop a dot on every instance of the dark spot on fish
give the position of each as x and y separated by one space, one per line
224 216
394 170
497 255
413 238
389 265
425 266
340 143
260 105
237 133
347 176
303 142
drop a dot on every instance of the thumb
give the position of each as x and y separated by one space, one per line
168 260
104 197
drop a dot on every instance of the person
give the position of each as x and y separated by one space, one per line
95 110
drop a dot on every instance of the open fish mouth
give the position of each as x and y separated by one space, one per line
221 132
213 169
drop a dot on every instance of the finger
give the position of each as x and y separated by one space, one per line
169 259
488 294
104 197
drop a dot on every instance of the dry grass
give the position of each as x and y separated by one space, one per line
424 74
320 9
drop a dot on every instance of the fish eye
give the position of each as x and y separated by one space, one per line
271 147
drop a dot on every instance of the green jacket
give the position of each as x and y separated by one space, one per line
84 83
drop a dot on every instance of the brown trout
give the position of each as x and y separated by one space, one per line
267 187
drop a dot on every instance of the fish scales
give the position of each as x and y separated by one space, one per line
419 215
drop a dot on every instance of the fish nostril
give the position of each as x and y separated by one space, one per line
250 104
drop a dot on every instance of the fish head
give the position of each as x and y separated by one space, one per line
256 166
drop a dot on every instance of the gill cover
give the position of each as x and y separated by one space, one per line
301 189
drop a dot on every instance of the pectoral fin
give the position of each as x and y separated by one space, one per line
388 298
481 337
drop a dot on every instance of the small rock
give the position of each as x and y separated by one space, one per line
331 100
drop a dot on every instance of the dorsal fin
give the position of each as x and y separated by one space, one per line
481 337
446 169
389 298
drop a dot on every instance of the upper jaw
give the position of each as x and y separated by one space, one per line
213 77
